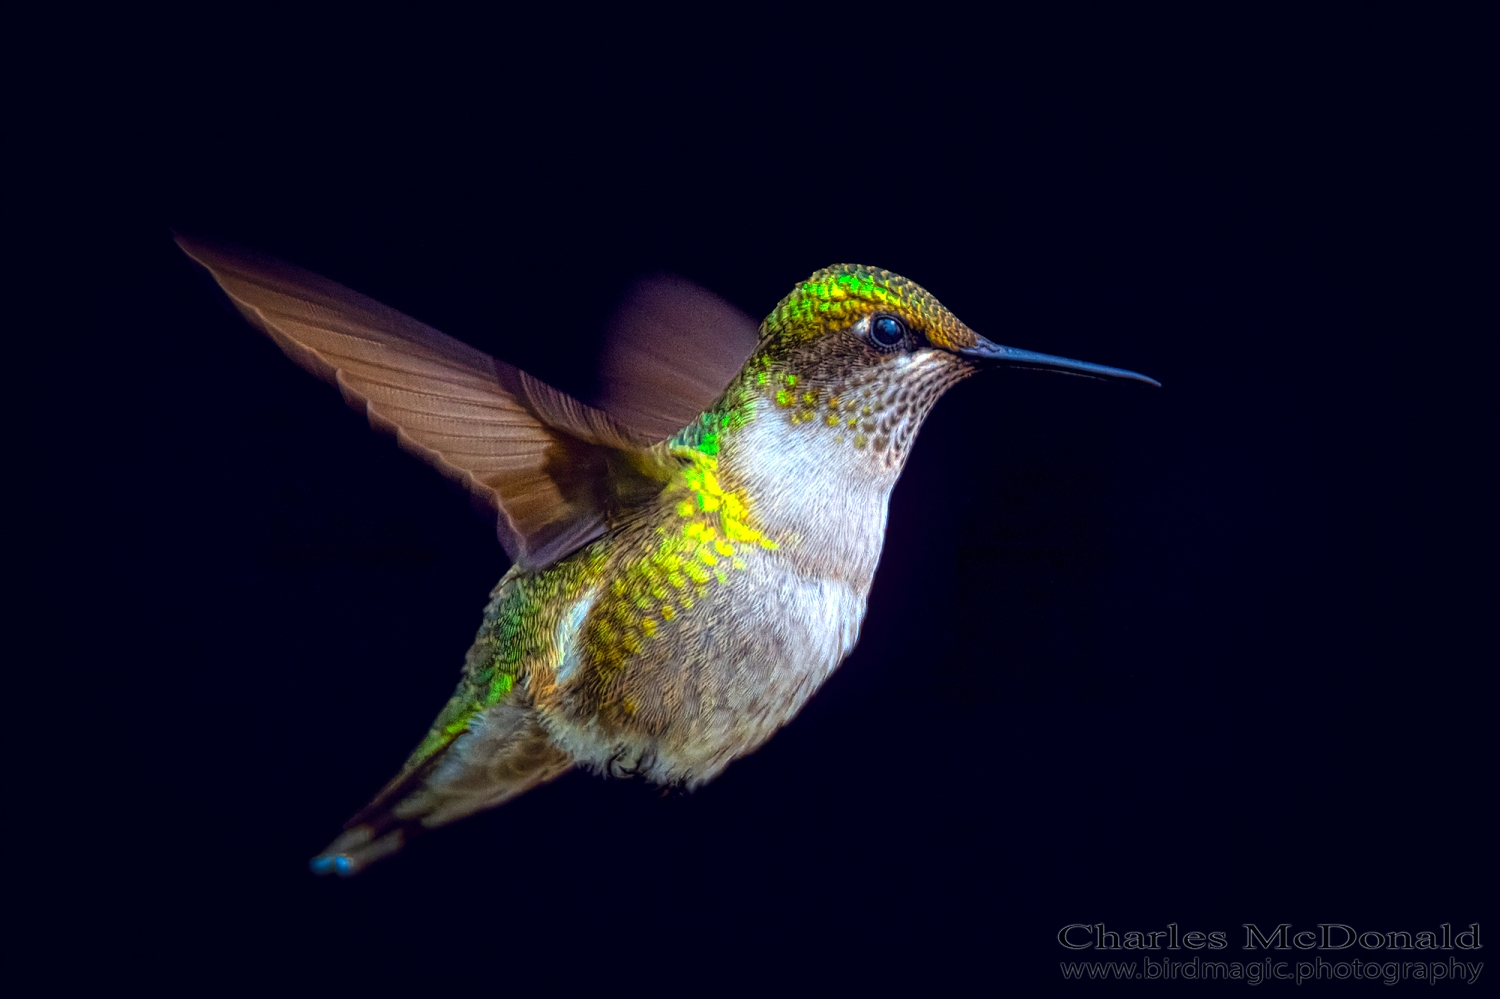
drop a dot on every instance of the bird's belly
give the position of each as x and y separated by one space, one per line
715 682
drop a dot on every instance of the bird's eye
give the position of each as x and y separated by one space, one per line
887 331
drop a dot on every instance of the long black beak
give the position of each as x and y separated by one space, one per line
996 354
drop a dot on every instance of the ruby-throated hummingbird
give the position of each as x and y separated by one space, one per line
691 558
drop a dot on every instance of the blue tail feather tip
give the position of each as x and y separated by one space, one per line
337 864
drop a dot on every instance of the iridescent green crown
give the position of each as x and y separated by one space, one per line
839 295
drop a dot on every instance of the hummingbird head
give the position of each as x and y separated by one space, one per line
864 354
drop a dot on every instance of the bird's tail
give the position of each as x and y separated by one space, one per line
503 753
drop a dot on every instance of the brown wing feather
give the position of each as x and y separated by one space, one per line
673 348
549 465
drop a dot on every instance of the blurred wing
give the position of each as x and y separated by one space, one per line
673 348
541 459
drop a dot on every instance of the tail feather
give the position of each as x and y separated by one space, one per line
504 753
355 849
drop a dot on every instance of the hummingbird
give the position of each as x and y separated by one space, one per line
691 557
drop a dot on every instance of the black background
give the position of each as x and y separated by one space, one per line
1205 655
